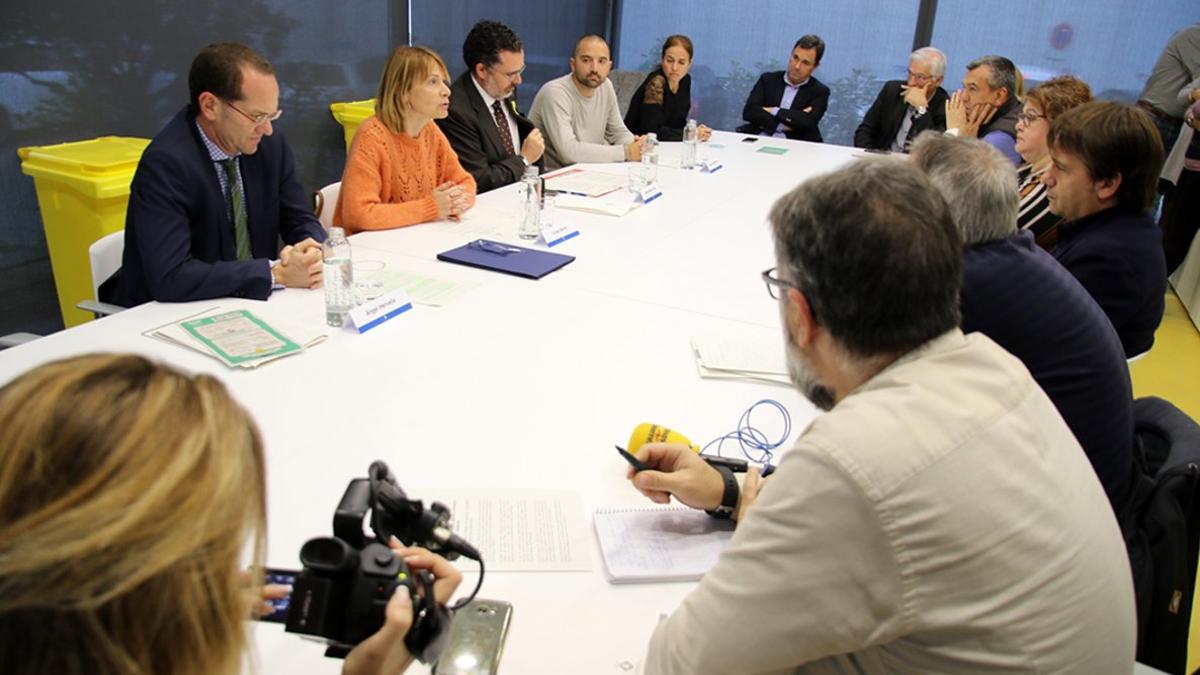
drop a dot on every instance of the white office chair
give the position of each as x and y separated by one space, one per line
105 257
324 203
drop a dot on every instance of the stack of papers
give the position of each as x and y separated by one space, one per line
585 183
237 338
615 205
741 358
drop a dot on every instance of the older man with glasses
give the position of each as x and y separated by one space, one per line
214 193
493 140
905 108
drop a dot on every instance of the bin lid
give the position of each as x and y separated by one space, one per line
352 112
100 167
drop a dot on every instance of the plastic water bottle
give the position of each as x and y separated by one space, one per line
531 205
337 277
650 158
691 136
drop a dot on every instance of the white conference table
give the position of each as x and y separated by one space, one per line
518 384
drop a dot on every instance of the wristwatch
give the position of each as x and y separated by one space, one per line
921 110
729 500
526 161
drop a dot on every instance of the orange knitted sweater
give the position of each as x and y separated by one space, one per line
389 177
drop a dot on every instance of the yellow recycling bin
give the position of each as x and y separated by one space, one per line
352 114
82 191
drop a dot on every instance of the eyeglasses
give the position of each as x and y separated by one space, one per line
775 287
1030 117
511 76
260 118
919 77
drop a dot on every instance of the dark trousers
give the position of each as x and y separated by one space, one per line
1180 218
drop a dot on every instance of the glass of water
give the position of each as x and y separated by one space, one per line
638 176
368 279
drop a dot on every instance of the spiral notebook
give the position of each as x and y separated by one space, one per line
659 544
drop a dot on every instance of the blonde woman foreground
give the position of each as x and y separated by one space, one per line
401 169
127 493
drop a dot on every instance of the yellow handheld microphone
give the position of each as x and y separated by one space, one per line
655 433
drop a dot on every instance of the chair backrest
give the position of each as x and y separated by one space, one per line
105 257
324 203
626 83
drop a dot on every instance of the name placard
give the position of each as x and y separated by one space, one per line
649 193
711 166
556 233
374 312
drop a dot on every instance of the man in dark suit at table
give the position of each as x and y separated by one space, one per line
790 103
905 108
484 126
215 191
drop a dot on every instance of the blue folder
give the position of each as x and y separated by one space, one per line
501 257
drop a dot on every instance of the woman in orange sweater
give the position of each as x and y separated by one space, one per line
401 169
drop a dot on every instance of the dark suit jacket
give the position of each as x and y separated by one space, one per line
882 121
768 92
1020 297
1117 255
179 242
472 132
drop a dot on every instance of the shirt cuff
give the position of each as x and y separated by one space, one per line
951 132
274 286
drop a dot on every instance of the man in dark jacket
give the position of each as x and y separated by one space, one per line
905 108
790 103
214 192
493 140
1102 181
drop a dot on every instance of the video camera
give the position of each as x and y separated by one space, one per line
347 580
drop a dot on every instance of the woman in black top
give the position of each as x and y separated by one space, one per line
660 106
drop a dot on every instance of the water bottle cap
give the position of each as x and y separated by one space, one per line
336 232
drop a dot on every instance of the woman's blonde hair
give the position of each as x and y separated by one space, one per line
407 67
127 493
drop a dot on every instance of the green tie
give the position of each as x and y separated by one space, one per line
233 191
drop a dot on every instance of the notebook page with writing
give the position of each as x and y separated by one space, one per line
659 544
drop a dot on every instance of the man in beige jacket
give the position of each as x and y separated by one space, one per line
940 517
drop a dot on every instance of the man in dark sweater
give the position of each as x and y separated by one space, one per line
214 193
1016 294
1106 158
987 106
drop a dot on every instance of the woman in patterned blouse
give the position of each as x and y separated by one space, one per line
1043 104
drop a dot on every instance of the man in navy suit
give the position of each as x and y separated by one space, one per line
790 103
215 191
905 108
484 126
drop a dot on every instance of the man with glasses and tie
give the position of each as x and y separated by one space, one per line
214 193
905 108
484 126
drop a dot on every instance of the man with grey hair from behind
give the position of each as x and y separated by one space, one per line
939 518
905 108
1019 296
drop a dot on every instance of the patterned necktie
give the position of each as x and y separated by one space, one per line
237 201
502 127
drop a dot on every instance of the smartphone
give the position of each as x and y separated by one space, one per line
275 575
476 639
877 151
750 139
